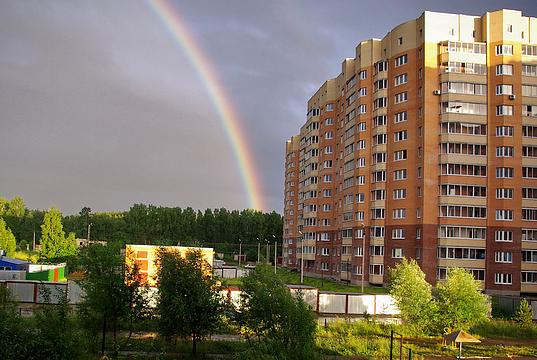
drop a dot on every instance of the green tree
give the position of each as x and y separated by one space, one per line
112 291
16 207
461 301
283 325
524 313
7 239
188 301
413 295
54 244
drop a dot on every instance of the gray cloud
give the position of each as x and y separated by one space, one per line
101 108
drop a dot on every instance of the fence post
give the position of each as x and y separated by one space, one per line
391 344
401 348
409 354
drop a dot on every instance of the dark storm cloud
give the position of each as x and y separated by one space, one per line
100 107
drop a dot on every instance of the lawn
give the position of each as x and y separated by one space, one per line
293 278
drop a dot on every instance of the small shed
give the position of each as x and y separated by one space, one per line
7 263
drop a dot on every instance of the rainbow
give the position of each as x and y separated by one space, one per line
229 118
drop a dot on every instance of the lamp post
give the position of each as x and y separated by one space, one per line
258 249
268 251
275 253
240 251
301 257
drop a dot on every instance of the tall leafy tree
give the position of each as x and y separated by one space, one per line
189 303
284 325
111 290
413 295
461 301
7 239
54 244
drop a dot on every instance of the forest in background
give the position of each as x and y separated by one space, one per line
154 225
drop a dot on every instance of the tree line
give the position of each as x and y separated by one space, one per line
150 224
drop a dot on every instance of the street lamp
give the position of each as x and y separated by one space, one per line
258 249
301 257
240 251
268 251
275 253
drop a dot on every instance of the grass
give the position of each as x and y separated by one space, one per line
293 278
505 329
371 341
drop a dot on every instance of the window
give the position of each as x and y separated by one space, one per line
460 253
401 79
360 163
529 214
503 193
359 216
502 131
529 256
529 234
503 257
463 88
379 158
400 41
360 144
398 234
459 107
503 236
400 117
529 131
504 69
529 70
462 232
327 207
504 110
503 279
379 120
376 250
327 164
376 195
329 107
529 193
376 269
329 121
463 211
529 172
378 176
380 103
503 89
462 148
359 251
400 135
530 50
399 174
529 151
504 173
401 60
327 193
377 213
504 151
381 66
362 109
362 74
399 213
504 49
362 92
528 277
463 128
327 178
399 194
463 170
463 190
400 155
329 135
529 110
401 97
360 180
397 253
529 90
325 251
504 215
377 231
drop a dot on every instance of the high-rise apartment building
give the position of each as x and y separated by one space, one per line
424 146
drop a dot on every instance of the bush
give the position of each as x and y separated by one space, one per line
504 329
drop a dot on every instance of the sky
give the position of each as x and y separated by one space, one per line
100 106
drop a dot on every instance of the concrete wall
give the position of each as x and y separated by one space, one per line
12 275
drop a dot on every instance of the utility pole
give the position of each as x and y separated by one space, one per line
33 244
258 250
89 230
